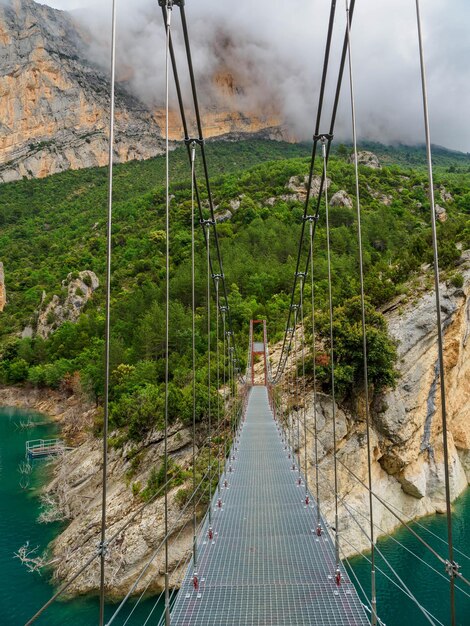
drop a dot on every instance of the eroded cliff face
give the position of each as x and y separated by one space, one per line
406 436
55 101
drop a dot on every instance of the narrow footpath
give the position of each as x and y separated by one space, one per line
262 562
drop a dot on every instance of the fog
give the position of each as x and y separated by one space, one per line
274 50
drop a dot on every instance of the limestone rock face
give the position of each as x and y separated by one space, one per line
78 290
55 103
298 186
76 489
369 159
441 213
406 435
341 198
3 291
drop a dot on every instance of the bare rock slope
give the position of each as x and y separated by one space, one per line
55 103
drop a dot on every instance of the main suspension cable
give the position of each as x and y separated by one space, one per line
304 391
200 142
287 339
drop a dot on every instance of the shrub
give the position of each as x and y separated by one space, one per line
457 280
136 488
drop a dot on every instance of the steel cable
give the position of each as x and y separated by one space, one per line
363 316
453 568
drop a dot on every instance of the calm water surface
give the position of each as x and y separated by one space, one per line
22 593
394 608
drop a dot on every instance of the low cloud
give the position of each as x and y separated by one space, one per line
274 51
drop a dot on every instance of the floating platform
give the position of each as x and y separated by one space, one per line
42 448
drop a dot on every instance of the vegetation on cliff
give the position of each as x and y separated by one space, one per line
56 226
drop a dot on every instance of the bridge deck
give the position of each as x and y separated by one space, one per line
265 564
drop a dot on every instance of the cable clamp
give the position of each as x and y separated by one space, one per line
192 140
290 330
311 218
102 548
323 137
294 307
301 274
452 568
207 222
218 276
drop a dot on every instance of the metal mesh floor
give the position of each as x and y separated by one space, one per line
265 565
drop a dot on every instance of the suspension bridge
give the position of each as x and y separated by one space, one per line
263 553
262 559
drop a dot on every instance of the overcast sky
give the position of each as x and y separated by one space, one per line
277 47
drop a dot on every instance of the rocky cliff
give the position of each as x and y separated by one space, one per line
407 448
55 101
407 468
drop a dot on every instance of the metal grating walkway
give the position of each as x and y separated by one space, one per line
265 565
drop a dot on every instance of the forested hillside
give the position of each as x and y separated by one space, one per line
55 227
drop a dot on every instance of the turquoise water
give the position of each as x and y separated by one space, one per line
23 593
394 608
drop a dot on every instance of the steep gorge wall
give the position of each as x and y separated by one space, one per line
55 101
406 437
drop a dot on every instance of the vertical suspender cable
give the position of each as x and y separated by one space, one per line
102 546
169 8
332 364
193 306
208 230
304 399
290 409
314 357
218 378
224 383
452 568
296 374
363 319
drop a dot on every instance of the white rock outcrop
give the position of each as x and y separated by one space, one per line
369 159
341 198
79 290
